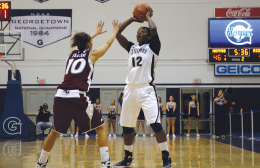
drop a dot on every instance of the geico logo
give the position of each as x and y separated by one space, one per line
238 69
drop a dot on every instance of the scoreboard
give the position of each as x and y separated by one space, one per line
5 10
234 40
220 55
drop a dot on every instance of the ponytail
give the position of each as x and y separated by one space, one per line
80 40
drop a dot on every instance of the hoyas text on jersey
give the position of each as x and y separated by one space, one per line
137 51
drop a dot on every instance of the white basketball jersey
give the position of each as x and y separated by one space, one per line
141 65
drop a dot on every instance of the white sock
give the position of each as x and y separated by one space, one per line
104 154
77 133
163 146
129 148
44 156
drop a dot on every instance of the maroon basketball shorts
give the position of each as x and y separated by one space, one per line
74 104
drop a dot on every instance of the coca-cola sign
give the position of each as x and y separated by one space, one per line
237 12
244 12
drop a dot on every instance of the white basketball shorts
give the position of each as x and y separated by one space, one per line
135 98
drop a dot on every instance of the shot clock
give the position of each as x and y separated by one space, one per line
239 52
5 10
235 40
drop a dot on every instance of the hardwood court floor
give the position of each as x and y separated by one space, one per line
81 153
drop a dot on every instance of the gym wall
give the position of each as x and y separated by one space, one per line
182 27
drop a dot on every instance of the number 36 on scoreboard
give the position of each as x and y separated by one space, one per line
5 10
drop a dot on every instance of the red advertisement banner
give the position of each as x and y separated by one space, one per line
237 12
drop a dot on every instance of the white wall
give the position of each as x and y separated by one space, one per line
182 27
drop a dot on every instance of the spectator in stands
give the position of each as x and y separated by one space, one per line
98 106
171 116
194 113
220 102
43 118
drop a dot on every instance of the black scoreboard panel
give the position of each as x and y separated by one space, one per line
222 55
5 10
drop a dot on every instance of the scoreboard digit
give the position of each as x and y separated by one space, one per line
5 10
222 55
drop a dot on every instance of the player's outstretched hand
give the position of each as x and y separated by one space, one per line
99 28
149 13
116 25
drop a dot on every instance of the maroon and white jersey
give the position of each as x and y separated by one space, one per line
78 72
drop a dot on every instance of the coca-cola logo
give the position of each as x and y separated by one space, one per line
243 12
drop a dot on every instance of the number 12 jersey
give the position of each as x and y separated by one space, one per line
142 61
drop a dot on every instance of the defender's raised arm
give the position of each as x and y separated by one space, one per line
99 52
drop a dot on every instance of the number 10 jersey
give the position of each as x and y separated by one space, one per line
78 72
142 61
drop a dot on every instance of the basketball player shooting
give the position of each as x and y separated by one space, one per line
140 91
71 102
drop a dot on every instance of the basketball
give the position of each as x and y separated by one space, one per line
140 11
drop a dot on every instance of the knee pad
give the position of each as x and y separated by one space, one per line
157 127
128 130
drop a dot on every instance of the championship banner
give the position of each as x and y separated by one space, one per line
42 27
237 12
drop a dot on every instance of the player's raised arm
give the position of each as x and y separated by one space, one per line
120 38
151 23
155 44
99 52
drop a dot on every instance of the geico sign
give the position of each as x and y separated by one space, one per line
237 69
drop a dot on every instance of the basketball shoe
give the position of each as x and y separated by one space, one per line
127 162
41 165
106 164
167 162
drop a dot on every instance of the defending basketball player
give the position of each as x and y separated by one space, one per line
71 102
140 91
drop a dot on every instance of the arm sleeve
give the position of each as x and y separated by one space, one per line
39 116
129 46
49 114
155 44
